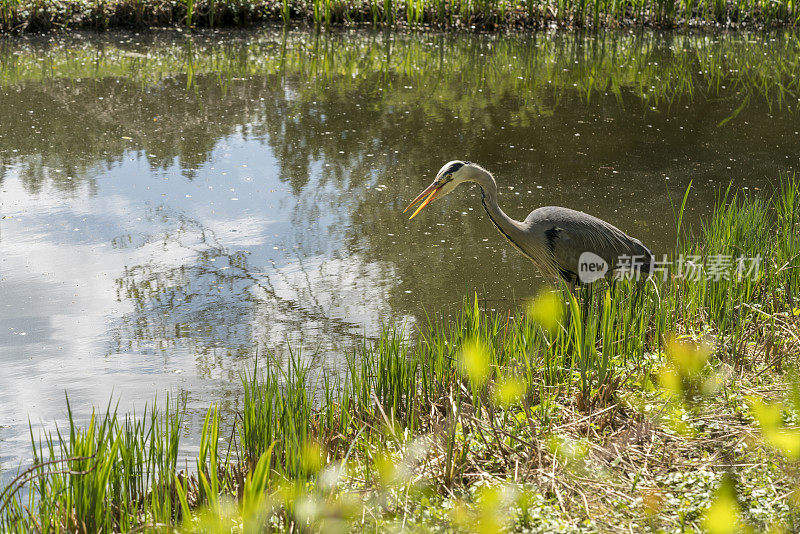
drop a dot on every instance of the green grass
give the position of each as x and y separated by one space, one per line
46 15
99 476
659 405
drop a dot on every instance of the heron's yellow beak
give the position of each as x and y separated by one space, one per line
431 192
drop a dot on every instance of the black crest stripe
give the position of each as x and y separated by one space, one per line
454 167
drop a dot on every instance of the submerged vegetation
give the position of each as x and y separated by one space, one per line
670 406
46 15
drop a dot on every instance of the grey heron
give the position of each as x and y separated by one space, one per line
561 242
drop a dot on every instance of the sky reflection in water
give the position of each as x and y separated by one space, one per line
172 208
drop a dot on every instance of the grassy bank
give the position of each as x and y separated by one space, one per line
669 407
46 15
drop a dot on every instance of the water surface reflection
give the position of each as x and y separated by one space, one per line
172 207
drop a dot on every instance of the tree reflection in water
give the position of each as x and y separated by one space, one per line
181 204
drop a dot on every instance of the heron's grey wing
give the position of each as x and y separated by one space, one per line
569 234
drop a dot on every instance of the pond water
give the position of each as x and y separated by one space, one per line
172 207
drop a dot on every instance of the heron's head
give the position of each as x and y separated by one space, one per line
448 178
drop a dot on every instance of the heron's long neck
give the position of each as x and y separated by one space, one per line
508 227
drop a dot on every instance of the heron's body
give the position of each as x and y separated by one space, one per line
554 238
